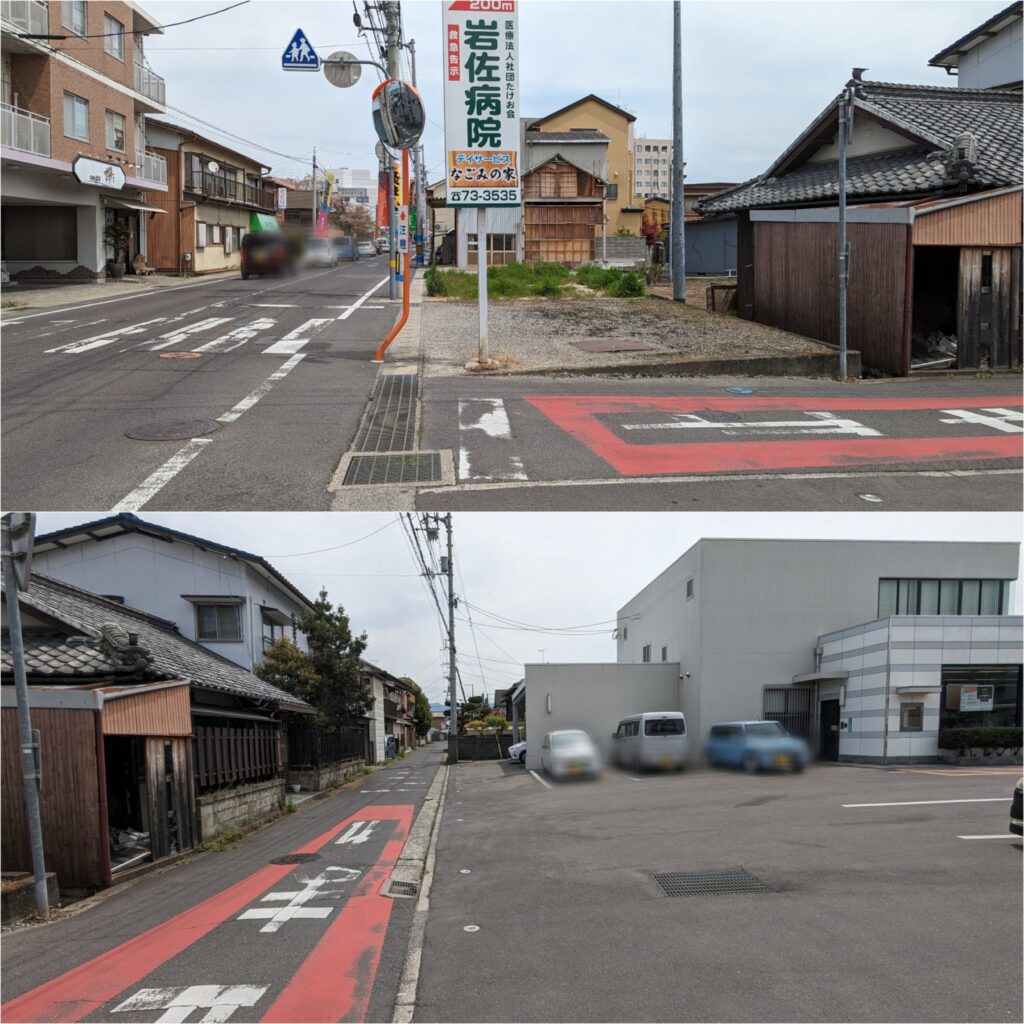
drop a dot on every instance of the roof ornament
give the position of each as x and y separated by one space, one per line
123 646
960 160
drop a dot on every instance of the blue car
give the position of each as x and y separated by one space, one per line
755 746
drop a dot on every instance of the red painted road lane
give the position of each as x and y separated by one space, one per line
579 417
87 988
335 981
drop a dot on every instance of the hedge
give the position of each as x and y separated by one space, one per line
991 739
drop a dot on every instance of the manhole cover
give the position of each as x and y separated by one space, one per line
611 345
296 858
415 468
172 430
701 883
181 355
401 890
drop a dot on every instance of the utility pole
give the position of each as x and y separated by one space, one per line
453 732
845 104
420 195
393 41
26 738
313 190
678 203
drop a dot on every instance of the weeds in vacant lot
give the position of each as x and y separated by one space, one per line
533 280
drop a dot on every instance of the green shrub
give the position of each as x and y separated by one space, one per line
434 281
629 286
597 278
966 740
546 287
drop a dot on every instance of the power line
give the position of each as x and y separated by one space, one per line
146 32
338 547
232 135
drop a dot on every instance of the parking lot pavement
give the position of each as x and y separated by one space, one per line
877 910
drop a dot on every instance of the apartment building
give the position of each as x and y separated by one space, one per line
73 146
652 163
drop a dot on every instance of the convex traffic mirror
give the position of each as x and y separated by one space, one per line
398 115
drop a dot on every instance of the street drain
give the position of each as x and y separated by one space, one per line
390 424
171 430
422 467
296 858
701 883
400 890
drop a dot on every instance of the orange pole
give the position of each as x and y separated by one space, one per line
406 283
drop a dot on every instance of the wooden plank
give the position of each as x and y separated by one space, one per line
968 307
1015 307
999 338
156 793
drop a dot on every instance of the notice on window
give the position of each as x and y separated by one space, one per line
977 698
481 102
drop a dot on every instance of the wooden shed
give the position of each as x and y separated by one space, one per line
562 206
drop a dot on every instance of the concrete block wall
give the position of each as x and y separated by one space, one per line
621 247
317 779
239 806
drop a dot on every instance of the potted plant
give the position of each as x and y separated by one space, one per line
117 235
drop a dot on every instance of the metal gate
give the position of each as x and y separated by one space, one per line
792 707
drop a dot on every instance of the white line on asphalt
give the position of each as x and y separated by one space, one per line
362 298
276 305
540 780
488 416
294 340
254 396
238 337
167 472
1002 835
107 338
827 423
918 803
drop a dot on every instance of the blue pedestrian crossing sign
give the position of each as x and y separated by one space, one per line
299 54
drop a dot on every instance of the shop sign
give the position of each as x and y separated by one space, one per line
977 698
96 172
481 102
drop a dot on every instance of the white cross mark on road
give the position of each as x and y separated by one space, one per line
1009 421
357 832
220 1002
319 887
819 423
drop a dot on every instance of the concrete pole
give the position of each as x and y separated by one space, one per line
678 204
484 353
29 772
453 724
393 32
420 194
843 268
313 189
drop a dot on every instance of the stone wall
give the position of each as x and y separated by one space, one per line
317 779
238 806
484 748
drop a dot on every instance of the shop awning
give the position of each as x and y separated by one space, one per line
129 204
263 222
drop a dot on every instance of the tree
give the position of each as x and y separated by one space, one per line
352 218
422 715
330 676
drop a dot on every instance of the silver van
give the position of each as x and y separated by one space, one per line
656 739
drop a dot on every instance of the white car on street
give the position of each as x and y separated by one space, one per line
517 752
567 753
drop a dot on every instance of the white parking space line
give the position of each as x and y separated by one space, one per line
1002 835
919 803
362 298
547 785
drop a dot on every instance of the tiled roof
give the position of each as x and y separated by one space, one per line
48 654
580 135
934 115
976 35
170 655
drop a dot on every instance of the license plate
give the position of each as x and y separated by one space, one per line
575 769
258 257
666 762
782 761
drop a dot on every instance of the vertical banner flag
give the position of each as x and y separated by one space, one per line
481 102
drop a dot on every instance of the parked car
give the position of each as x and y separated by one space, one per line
1017 809
367 249
755 746
381 243
517 752
320 253
652 740
568 753
346 248
265 252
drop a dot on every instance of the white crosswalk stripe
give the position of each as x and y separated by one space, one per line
236 338
107 338
177 336
294 340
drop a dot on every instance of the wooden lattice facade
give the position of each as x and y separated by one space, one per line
561 210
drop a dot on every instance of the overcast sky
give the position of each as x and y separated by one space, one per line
754 73
549 570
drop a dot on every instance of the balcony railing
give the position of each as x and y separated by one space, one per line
25 15
24 130
150 84
220 186
151 167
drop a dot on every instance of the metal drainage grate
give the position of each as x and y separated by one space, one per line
701 883
172 430
394 469
390 425
296 858
400 890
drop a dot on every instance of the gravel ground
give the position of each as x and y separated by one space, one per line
536 334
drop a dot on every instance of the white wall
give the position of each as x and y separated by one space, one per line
593 698
995 62
504 220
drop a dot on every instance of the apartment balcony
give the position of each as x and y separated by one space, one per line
220 188
24 16
21 129
150 84
151 167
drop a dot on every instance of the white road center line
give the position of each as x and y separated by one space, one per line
294 340
362 298
154 483
547 785
919 803
1002 835
108 338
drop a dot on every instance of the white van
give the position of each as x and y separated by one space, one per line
656 739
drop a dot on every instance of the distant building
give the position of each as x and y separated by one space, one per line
652 162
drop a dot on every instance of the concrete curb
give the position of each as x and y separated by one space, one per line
405 1001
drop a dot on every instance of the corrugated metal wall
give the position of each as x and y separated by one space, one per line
988 222
70 797
796 285
157 713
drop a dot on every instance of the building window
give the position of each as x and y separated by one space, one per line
647 653
73 15
942 597
689 588
113 37
213 234
911 717
664 654
76 117
40 232
611 191
625 632
200 235
218 622
115 131
980 695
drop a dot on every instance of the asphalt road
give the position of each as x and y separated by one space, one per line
336 953
878 913
283 373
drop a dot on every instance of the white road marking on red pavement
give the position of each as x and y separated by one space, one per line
238 337
828 423
539 779
918 803
177 336
293 341
107 338
220 1002
296 900
254 396
486 416
357 832
1009 421
362 298
158 480
1002 835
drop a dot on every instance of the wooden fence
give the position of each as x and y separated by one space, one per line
227 755
317 747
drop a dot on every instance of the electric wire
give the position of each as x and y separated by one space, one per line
338 547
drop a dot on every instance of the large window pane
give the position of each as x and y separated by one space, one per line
908 597
1006 704
40 233
886 598
929 597
970 595
949 597
991 591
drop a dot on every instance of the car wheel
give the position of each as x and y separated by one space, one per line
522 757
751 764
798 766
245 276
